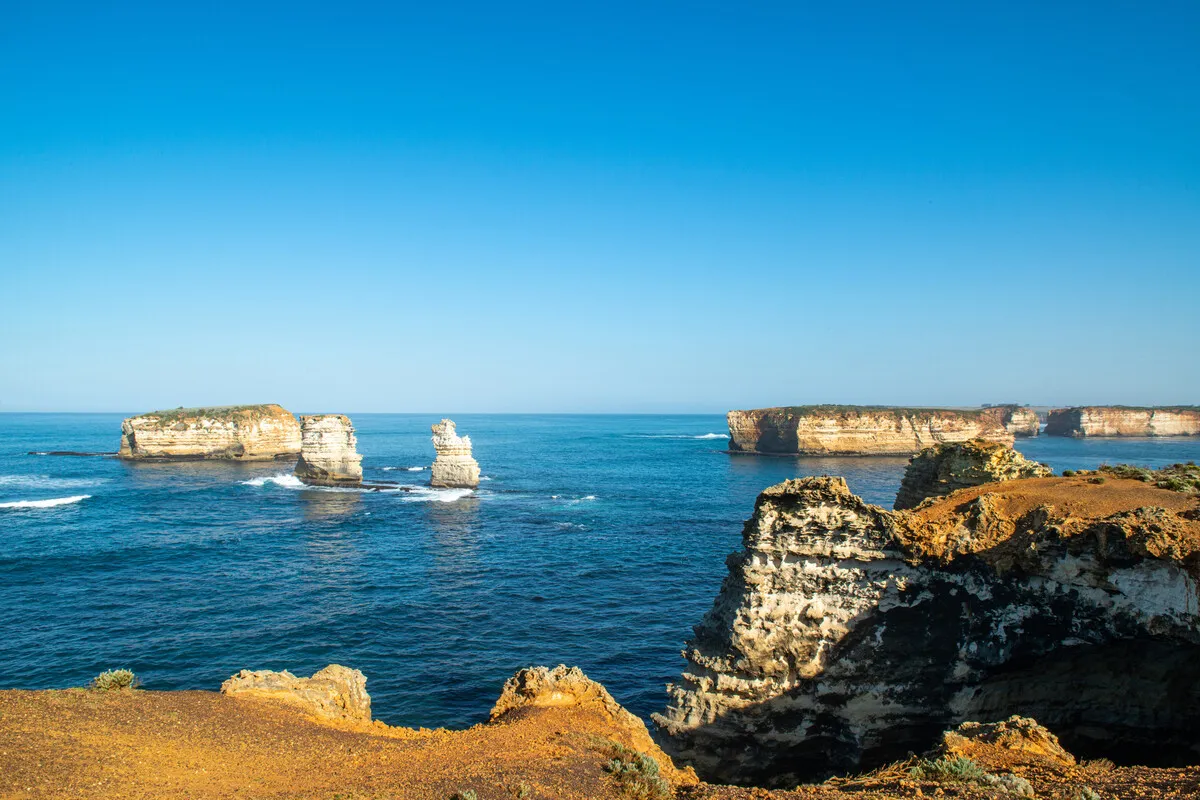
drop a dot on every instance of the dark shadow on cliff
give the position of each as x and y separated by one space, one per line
1094 679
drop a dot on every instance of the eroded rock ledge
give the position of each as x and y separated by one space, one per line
335 692
1124 421
944 468
235 433
846 636
858 430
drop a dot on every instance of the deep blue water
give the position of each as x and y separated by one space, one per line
599 541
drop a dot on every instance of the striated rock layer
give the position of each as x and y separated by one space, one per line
857 430
328 454
454 466
1017 420
944 468
846 636
335 692
1124 421
238 433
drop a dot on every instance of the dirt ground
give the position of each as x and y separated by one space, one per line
83 744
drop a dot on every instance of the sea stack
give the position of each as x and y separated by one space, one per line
230 433
328 451
454 468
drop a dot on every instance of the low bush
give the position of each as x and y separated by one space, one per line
115 680
636 775
949 770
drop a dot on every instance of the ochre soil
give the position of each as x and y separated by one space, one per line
1076 497
82 744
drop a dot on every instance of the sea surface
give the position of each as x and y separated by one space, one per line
596 541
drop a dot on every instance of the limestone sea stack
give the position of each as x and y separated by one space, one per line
1020 421
857 430
846 636
1124 421
235 433
454 468
328 453
944 468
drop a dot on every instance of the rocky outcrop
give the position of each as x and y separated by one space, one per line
944 468
335 692
454 468
1124 421
1017 738
846 636
328 453
857 430
236 433
1020 421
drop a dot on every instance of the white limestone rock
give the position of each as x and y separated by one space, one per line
454 468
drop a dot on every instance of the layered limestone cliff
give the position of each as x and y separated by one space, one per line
944 468
454 468
335 692
1017 420
857 430
1124 421
237 433
328 453
846 636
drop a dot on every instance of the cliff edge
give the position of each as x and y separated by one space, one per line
858 430
1124 421
235 433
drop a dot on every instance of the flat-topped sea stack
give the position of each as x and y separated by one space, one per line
329 451
233 433
1124 421
454 467
1020 421
846 636
944 468
858 430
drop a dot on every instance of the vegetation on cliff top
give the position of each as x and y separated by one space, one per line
846 410
1176 477
247 413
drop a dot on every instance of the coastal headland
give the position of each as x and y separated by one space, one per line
1124 421
233 433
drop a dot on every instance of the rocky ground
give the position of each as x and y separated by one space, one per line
139 744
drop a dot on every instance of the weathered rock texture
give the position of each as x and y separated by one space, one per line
238 433
857 430
944 468
1124 421
1017 738
328 454
454 467
846 636
1017 420
335 692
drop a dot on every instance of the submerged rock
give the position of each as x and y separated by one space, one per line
846 636
944 468
454 468
857 430
236 433
328 454
1124 421
335 692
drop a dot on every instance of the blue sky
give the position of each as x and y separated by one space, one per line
609 207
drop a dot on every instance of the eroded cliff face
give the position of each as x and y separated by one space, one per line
1017 420
329 451
454 467
335 692
1124 421
846 636
236 433
944 468
857 430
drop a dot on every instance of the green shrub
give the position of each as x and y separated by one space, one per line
524 790
1087 793
115 679
465 794
949 770
636 775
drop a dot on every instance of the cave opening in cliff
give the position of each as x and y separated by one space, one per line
1132 702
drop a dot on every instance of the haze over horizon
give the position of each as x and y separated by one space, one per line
616 208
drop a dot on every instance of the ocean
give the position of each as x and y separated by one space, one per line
595 541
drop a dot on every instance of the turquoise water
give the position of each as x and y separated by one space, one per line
598 541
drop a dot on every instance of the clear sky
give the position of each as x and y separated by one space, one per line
452 207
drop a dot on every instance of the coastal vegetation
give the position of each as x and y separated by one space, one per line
115 680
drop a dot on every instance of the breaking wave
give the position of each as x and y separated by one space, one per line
424 494
678 436
58 501
285 479
405 469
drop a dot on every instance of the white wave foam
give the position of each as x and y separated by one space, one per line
484 478
285 479
678 436
58 501
403 469
425 494
713 436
